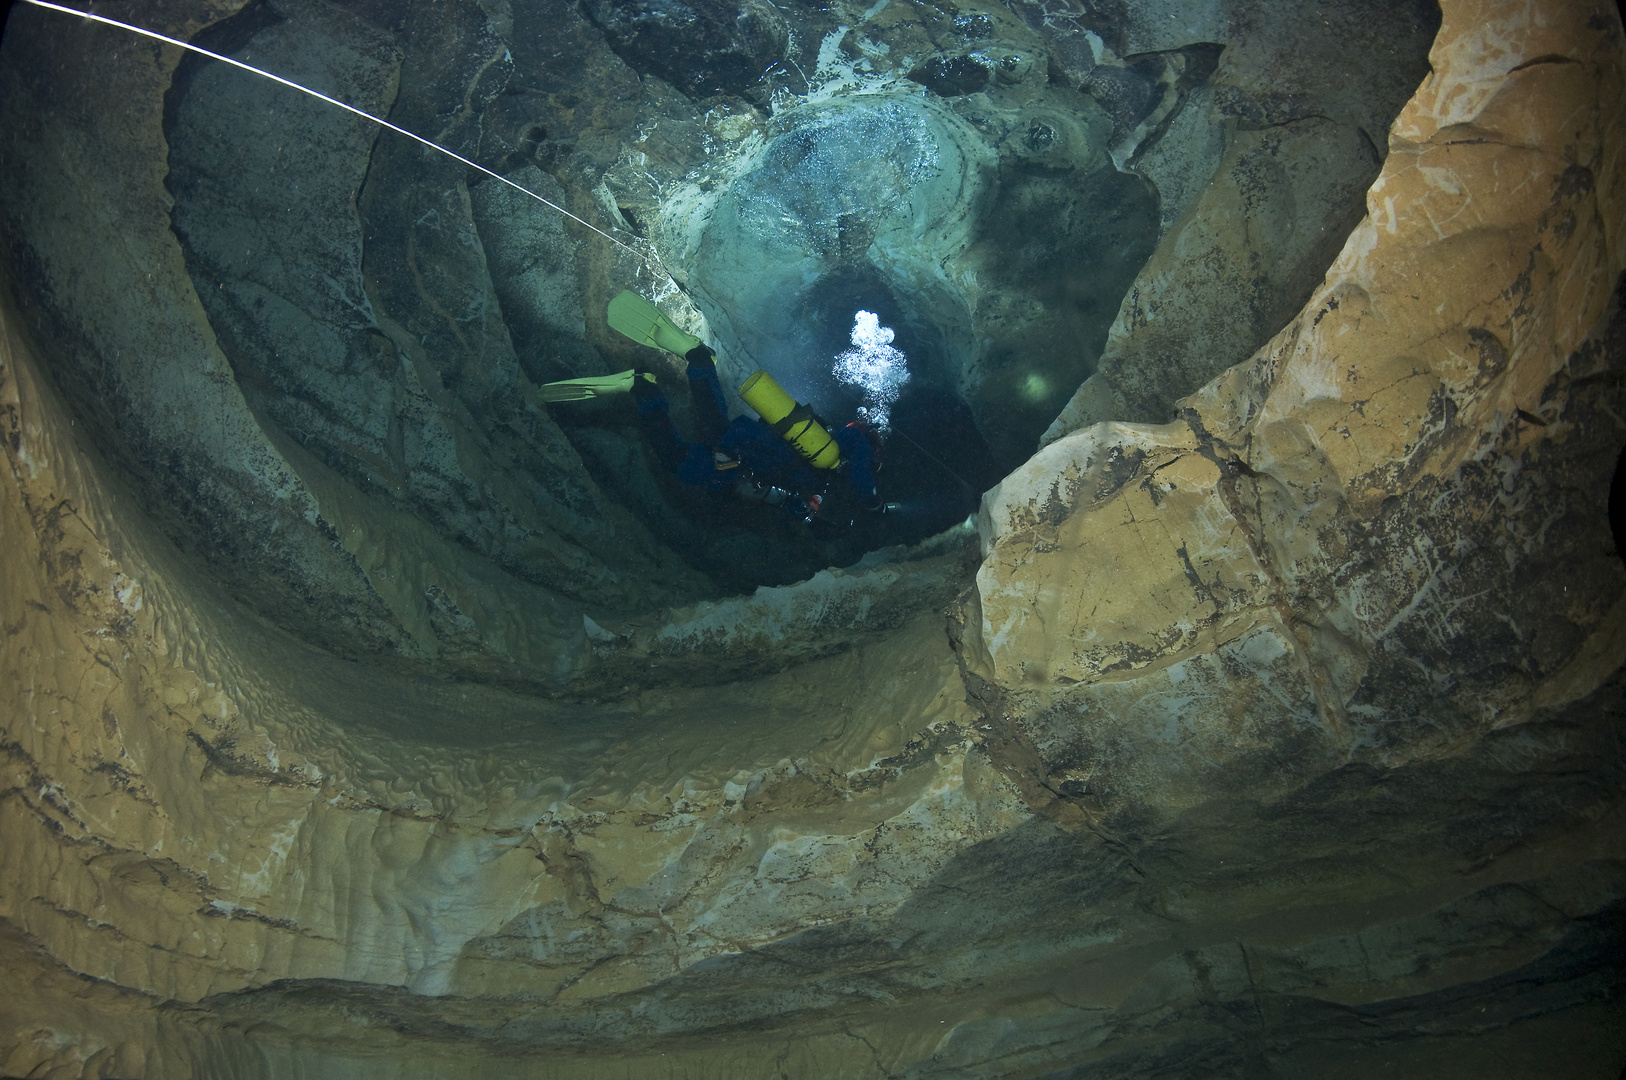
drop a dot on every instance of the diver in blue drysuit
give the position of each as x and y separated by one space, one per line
746 456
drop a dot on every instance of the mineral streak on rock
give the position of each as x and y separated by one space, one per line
1273 729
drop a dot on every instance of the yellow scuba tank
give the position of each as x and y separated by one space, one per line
795 423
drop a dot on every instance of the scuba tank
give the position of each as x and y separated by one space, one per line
794 423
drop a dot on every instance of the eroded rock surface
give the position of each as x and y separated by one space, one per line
1249 236
1372 586
378 316
1280 738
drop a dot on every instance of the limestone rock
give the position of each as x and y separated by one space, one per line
1246 240
1256 241
702 48
1281 738
1317 519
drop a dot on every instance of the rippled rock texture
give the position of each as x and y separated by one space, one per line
360 453
365 715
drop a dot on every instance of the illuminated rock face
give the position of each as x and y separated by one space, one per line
1281 736
1318 520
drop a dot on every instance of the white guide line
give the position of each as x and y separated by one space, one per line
189 47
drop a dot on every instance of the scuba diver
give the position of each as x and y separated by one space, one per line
788 459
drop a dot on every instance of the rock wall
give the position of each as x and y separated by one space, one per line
1281 737
1396 497
1298 105
378 316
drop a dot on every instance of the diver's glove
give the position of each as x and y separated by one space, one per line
702 356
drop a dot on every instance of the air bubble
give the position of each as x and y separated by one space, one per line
874 366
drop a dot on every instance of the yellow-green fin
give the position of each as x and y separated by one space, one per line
637 318
590 387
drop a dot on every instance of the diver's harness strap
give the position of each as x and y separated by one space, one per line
802 414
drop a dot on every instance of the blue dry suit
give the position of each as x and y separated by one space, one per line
757 459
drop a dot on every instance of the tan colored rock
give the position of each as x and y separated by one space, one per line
1069 597
1442 344
1197 616
205 826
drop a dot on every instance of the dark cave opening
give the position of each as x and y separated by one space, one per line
936 462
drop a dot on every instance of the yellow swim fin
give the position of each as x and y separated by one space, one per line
637 318
594 386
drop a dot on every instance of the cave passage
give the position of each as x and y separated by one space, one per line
368 713
1007 206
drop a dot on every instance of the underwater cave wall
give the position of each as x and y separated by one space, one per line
1284 736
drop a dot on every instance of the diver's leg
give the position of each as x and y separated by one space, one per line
691 462
655 420
706 395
